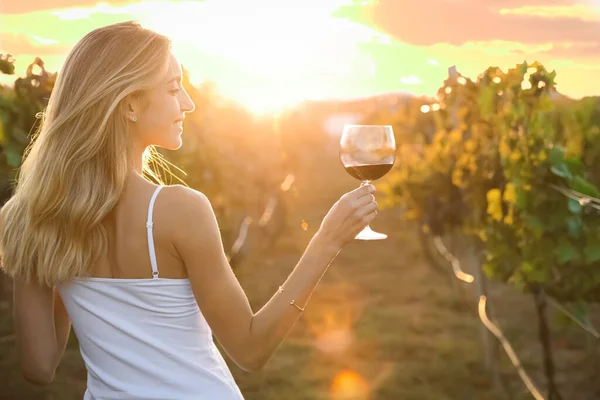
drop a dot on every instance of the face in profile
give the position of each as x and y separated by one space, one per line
159 113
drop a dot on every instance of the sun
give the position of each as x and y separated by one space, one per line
272 54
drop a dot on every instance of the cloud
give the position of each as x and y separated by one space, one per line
460 21
576 50
22 7
585 12
44 41
410 80
31 44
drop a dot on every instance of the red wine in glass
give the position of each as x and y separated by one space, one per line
368 152
368 172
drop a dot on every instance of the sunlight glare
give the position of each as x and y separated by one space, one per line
332 323
349 385
289 50
334 341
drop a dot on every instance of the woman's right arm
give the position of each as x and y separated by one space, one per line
251 338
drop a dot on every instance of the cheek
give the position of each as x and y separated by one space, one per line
159 120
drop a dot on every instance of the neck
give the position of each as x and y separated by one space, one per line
138 156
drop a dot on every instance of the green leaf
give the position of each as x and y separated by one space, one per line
575 225
556 155
565 251
574 206
533 272
583 186
521 199
562 170
574 163
527 267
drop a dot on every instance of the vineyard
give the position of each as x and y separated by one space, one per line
497 176
510 166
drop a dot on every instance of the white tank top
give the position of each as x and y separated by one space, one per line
146 339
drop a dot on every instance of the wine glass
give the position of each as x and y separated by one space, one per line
368 152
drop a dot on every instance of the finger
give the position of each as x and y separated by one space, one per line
362 191
363 201
367 209
363 221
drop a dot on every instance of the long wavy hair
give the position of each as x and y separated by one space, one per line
74 169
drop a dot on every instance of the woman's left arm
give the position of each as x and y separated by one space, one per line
42 328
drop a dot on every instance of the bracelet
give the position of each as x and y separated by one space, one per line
293 302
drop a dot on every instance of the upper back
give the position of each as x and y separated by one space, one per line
128 255
149 330
187 247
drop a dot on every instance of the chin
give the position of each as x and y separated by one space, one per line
176 145
170 141
172 145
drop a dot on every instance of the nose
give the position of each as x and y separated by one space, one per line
187 105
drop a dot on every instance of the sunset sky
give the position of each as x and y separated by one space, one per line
270 54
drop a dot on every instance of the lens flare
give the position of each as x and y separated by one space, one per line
349 385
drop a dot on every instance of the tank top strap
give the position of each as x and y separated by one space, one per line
149 226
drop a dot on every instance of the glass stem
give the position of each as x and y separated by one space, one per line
367 233
365 183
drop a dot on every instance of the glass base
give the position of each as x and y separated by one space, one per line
369 234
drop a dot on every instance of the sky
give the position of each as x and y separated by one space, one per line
271 54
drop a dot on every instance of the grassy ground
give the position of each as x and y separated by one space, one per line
381 325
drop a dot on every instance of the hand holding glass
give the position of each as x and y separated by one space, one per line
368 152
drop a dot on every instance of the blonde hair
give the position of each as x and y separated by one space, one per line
74 169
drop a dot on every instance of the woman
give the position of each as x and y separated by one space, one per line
137 268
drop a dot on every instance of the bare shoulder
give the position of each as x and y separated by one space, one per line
184 196
219 296
190 214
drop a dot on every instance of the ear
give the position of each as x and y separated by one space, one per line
132 107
